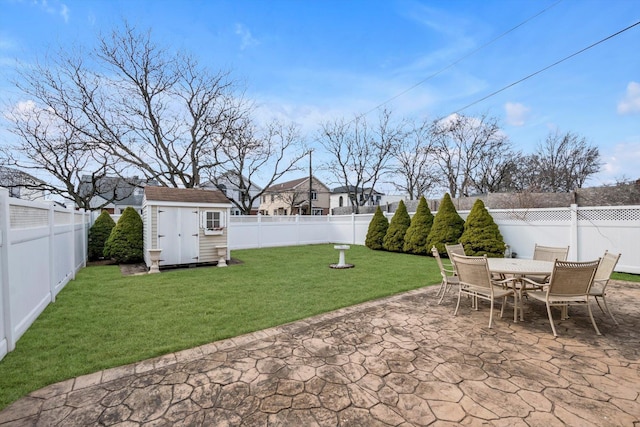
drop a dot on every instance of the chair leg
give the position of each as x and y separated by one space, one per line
598 302
458 304
445 287
490 313
504 302
592 319
604 301
553 327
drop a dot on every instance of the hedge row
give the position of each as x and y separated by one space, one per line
479 234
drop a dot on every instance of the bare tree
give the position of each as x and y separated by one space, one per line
45 143
259 154
497 171
414 156
461 145
155 112
360 154
563 162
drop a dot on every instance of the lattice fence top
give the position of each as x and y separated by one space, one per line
61 218
28 217
532 215
620 214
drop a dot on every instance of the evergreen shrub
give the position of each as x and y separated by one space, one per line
377 230
415 239
98 235
400 222
124 244
481 234
447 226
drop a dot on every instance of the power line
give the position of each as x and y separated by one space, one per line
547 67
459 59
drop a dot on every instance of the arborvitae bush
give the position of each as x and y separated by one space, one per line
481 234
394 239
377 230
415 239
98 235
124 245
447 226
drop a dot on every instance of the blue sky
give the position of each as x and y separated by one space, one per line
311 60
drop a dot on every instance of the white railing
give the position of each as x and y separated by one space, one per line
41 248
587 231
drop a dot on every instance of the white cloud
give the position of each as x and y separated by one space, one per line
619 162
64 12
246 37
516 113
631 102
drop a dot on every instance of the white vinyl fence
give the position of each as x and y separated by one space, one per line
587 231
41 249
42 246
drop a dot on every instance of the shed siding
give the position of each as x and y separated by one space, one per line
209 244
154 226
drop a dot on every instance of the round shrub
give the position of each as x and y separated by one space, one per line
98 235
447 226
124 244
481 234
377 230
394 239
415 239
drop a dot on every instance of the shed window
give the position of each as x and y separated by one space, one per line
213 222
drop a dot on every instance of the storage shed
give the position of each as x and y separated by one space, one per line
187 225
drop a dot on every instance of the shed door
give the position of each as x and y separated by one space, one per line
178 235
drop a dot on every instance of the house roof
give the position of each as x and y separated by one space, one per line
291 185
352 189
10 177
120 190
189 195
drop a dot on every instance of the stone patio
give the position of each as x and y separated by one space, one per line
399 361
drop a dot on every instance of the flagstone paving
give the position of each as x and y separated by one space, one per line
399 361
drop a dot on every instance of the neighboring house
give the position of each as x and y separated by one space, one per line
188 225
229 186
21 184
119 192
292 198
340 197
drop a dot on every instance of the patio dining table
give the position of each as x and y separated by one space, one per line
518 268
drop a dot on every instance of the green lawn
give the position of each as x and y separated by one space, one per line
102 319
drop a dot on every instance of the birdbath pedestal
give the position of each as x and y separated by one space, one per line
154 256
222 255
341 263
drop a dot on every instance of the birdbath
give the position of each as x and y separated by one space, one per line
222 254
154 256
341 263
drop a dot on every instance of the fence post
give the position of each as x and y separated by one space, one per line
573 233
259 230
5 289
353 228
73 243
52 237
85 236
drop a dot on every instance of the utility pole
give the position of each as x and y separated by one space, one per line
310 184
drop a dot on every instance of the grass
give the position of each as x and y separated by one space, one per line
103 319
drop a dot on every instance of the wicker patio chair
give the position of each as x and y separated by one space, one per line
475 280
454 249
570 284
448 274
601 280
548 253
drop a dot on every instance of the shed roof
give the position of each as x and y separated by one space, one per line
188 195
